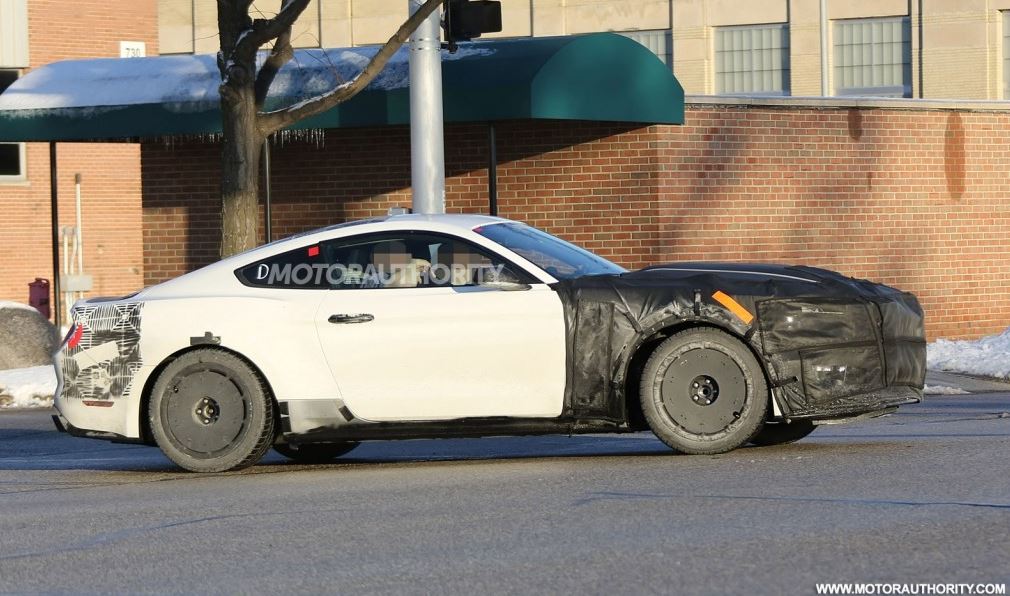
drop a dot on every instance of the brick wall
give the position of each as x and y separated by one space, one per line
914 198
111 172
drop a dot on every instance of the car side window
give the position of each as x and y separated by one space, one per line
386 260
303 268
413 260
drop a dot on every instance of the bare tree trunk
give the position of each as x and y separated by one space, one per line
243 93
241 147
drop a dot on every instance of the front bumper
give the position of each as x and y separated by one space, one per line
832 357
855 406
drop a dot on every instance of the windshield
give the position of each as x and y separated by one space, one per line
561 259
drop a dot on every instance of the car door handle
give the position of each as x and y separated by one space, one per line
362 318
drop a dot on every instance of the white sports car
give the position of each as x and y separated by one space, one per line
414 326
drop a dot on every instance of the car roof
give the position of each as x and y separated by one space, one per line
462 221
466 221
441 222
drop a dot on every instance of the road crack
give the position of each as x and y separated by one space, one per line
621 496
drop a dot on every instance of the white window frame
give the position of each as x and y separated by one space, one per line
902 90
785 68
1005 48
23 176
14 47
22 161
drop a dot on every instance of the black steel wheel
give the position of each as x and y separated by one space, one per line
703 392
211 412
314 453
780 433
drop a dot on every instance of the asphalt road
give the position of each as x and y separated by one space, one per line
922 496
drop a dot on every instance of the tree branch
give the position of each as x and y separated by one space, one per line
263 30
280 54
271 122
232 20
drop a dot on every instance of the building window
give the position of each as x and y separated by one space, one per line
659 42
873 57
752 60
1006 54
12 155
13 33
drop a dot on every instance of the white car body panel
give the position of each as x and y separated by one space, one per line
418 359
278 331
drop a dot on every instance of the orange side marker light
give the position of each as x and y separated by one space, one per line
733 306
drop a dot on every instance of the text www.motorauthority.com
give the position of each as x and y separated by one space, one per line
928 589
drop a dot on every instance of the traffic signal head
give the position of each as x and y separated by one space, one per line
467 19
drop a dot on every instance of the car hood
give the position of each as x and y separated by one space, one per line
756 279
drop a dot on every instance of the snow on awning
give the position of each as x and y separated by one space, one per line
602 76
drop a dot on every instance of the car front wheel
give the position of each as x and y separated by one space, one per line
703 392
210 411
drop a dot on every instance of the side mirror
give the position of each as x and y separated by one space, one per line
506 286
500 279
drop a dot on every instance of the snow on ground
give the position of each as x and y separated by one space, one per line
943 390
989 356
27 387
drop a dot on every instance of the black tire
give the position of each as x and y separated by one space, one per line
314 453
780 433
211 412
703 392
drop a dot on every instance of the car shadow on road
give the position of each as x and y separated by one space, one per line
43 450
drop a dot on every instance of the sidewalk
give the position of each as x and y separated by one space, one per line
966 383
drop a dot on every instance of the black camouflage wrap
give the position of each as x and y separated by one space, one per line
106 360
831 346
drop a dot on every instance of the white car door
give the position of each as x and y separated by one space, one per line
418 350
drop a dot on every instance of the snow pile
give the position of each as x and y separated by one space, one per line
190 83
27 387
989 356
943 390
17 305
26 337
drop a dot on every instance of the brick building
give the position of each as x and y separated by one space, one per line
34 33
912 193
898 191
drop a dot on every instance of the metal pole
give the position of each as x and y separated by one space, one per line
266 181
55 216
492 169
80 223
824 49
427 143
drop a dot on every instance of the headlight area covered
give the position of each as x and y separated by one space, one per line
837 356
831 345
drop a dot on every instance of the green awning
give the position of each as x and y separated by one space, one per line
602 77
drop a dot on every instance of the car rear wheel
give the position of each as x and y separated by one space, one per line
703 392
314 453
780 433
211 412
